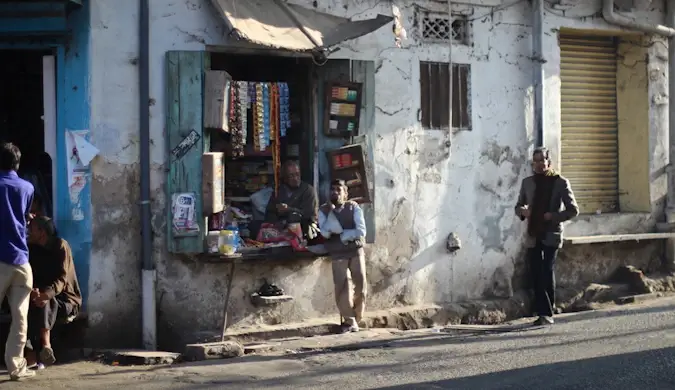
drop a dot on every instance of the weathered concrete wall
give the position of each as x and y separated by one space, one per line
425 192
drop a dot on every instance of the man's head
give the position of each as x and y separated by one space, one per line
541 160
290 174
338 191
10 156
41 230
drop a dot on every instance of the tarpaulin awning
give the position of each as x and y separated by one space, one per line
275 24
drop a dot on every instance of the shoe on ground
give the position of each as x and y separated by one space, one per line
544 320
346 328
24 373
47 356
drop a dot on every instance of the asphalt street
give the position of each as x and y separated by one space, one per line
630 347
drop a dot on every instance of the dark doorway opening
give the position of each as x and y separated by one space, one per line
21 117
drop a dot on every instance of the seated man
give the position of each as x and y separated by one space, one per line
296 202
56 292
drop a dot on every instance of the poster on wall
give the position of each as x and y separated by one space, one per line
80 153
184 214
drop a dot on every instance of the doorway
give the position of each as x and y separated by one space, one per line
23 117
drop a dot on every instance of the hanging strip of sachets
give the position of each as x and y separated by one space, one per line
266 110
236 124
284 109
244 106
260 118
274 112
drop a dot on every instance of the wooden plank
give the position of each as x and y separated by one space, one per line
364 72
216 93
618 237
185 140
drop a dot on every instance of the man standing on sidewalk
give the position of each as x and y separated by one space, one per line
546 201
16 276
343 226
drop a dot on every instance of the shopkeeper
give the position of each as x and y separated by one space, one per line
296 202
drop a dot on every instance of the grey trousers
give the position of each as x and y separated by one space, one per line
350 295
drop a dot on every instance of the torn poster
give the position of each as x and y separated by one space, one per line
80 153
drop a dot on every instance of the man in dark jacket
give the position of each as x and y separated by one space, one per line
296 202
546 201
56 291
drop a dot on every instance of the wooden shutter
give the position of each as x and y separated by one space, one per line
589 151
361 72
185 139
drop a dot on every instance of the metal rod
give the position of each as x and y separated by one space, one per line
144 121
230 279
149 313
670 209
450 66
538 75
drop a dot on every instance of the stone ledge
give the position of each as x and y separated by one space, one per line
260 300
217 350
136 357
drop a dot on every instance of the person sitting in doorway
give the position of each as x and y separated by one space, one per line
37 208
296 202
344 227
56 292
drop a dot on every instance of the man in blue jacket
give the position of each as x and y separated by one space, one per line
16 275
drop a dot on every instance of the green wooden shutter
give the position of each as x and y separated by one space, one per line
361 72
184 125
364 72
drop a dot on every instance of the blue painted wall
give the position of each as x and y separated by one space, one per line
73 112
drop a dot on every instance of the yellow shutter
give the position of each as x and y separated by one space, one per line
589 151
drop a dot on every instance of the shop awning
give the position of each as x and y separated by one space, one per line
275 24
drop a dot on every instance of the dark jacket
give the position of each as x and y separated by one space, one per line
54 272
303 204
563 206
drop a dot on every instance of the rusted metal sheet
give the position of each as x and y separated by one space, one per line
589 150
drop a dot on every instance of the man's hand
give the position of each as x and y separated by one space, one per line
548 216
40 302
282 207
525 212
38 298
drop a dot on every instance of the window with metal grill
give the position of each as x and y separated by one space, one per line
437 27
435 96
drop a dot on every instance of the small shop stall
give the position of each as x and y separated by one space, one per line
236 127
262 120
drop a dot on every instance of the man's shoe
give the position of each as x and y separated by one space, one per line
23 374
47 356
346 328
544 320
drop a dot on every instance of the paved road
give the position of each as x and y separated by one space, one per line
628 348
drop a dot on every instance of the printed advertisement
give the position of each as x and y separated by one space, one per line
184 214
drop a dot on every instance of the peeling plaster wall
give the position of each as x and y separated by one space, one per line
426 191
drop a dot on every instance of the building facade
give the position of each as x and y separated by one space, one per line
429 181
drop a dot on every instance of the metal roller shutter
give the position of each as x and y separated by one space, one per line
589 151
